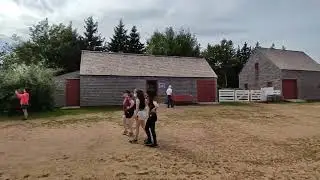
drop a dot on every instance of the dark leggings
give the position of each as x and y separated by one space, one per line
150 126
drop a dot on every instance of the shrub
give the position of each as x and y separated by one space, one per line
37 78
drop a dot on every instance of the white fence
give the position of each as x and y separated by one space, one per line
229 95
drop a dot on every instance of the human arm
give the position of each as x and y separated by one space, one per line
137 106
156 106
131 104
18 94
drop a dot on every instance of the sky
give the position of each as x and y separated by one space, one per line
294 24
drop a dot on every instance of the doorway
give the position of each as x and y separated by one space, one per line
289 89
73 92
152 87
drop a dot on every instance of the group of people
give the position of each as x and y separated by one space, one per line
142 108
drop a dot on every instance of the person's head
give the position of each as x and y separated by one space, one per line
150 97
26 90
141 97
170 87
126 93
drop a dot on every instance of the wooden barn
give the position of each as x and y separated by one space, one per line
104 76
293 72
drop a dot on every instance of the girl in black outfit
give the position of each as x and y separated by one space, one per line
151 122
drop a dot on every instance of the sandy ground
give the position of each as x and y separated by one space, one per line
211 142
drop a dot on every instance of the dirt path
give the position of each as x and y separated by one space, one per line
218 142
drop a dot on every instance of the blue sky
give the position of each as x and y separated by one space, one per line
292 23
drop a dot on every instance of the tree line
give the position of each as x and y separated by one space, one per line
60 45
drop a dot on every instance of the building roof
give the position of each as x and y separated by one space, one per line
120 64
290 60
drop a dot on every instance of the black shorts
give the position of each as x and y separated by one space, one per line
24 106
129 113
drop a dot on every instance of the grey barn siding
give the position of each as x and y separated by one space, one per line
107 90
268 72
60 92
308 83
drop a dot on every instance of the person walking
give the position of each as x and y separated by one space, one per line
128 111
140 113
169 93
151 122
24 101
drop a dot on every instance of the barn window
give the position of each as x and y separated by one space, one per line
256 66
246 86
269 84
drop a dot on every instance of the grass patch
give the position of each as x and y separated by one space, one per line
62 112
235 103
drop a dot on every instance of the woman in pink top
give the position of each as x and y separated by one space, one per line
24 102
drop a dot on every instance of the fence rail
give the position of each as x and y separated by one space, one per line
229 95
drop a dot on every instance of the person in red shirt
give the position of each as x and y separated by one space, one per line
24 102
128 112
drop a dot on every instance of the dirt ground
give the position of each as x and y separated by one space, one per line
262 141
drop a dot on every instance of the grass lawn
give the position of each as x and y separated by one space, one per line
230 141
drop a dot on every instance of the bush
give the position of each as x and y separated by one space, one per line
37 78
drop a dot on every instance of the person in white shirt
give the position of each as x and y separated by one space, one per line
169 93
140 114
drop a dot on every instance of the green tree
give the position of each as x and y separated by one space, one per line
172 43
92 40
272 46
134 44
36 77
57 46
227 61
257 45
221 58
119 41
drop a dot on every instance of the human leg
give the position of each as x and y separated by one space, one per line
124 119
25 113
147 129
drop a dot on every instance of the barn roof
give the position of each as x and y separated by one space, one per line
120 64
290 60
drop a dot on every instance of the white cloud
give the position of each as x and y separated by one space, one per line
292 23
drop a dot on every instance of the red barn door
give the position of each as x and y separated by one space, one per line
73 92
206 90
289 89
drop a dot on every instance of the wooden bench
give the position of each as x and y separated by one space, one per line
182 99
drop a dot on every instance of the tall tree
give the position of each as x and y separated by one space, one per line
257 45
92 40
134 44
172 43
227 61
119 41
221 57
55 46
272 46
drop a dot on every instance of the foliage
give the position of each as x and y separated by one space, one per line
36 77
92 40
171 43
57 46
273 46
227 62
119 41
134 44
